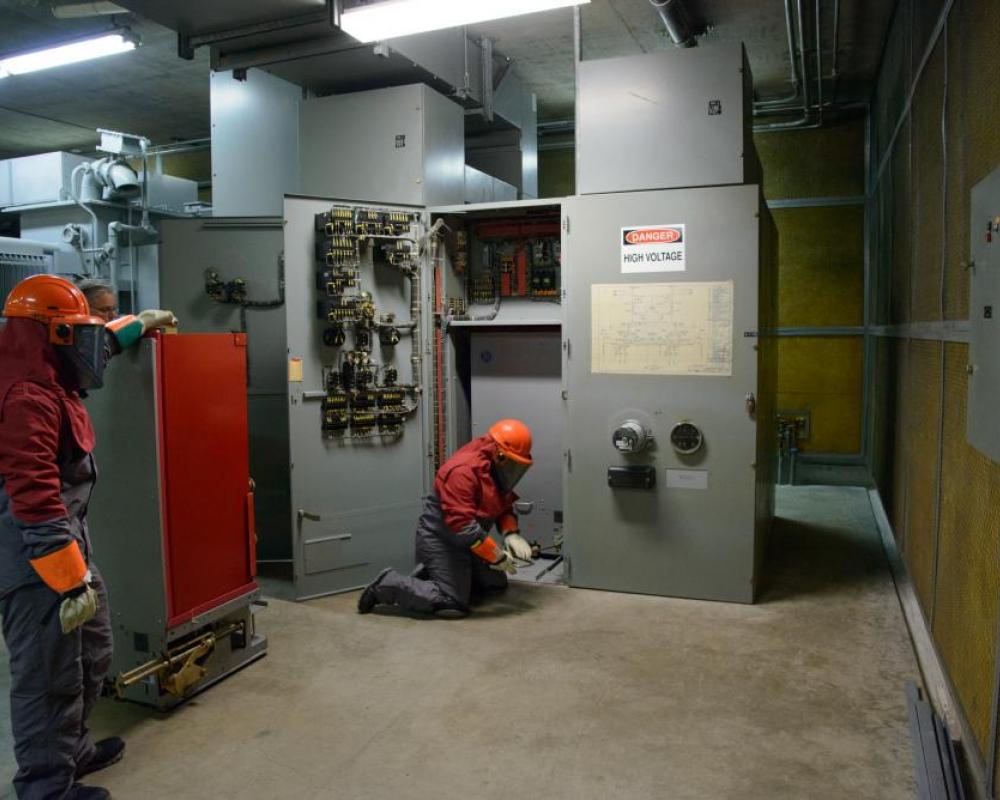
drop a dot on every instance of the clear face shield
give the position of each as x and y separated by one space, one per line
509 472
85 354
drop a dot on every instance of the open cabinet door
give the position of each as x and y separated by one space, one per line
358 447
660 367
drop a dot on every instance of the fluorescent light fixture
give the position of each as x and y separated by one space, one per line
391 18
71 53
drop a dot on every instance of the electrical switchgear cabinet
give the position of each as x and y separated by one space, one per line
177 546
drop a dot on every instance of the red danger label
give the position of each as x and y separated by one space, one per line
653 236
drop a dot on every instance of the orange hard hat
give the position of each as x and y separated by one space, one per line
513 438
51 300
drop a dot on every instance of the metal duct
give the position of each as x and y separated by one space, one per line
675 21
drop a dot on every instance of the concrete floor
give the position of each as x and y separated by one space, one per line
562 693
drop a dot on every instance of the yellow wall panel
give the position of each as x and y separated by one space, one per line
824 375
821 266
957 228
981 33
927 189
900 240
965 622
557 172
825 162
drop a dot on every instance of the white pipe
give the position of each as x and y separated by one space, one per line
88 209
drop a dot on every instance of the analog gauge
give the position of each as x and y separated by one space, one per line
686 438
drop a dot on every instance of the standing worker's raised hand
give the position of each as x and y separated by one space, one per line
156 318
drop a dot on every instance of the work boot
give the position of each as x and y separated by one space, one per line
106 752
368 600
450 612
81 792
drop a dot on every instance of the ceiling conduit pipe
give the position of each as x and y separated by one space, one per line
806 121
793 75
675 21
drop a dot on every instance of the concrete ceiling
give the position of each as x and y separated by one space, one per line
148 91
153 92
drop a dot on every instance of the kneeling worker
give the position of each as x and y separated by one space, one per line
472 491
52 600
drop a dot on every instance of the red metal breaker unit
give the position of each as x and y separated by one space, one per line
172 516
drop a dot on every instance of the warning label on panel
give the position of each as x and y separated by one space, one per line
653 248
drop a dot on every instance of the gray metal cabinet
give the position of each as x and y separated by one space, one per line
695 532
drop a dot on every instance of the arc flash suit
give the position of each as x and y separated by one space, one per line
47 474
452 537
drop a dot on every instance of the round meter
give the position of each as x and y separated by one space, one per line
686 438
630 437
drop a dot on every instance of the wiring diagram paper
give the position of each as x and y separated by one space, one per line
662 328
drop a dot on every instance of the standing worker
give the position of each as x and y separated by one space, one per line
472 491
101 298
52 599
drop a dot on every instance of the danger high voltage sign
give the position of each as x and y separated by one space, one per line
653 248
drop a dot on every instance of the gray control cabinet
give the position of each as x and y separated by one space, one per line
665 120
698 530
984 316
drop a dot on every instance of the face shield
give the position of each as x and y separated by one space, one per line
85 354
509 472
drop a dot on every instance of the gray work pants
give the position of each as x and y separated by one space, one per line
56 679
452 574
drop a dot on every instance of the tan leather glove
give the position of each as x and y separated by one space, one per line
78 606
517 546
505 564
156 318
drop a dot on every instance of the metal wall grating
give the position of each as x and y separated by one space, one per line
900 455
920 437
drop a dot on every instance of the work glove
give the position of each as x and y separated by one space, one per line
505 564
517 546
78 606
156 318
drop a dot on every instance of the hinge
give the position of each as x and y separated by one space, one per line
566 347
565 224
569 460
565 394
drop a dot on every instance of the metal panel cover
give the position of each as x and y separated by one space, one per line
206 471
661 120
984 316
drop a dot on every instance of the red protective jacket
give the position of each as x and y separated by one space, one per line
46 468
471 501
